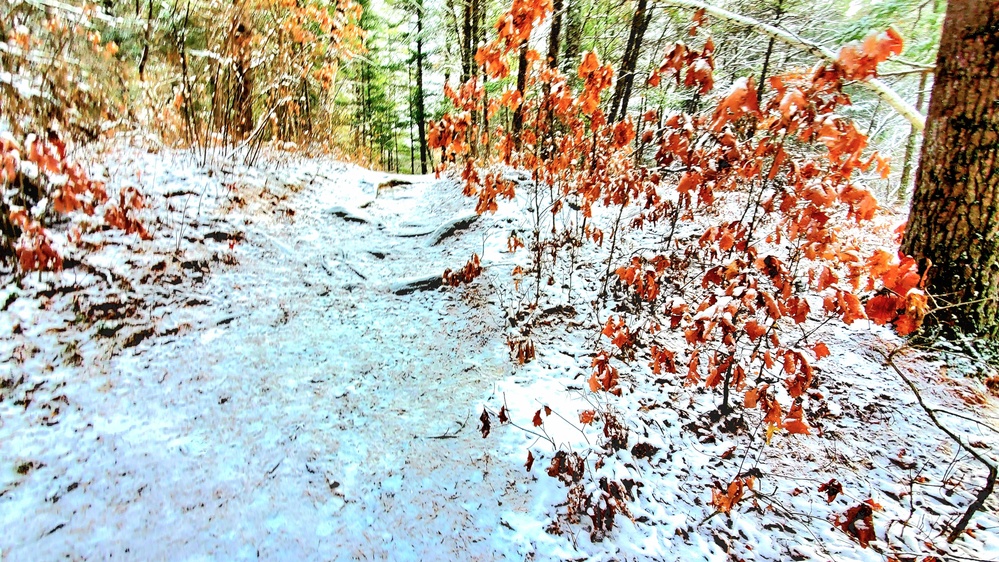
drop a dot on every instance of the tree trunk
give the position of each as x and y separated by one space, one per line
546 89
480 39
412 121
573 37
242 57
626 76
145 39
468 35
518 114
953 228
421 123
910 145
553 34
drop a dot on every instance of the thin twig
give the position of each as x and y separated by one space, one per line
990 483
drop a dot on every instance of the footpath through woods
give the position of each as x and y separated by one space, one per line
292 406
276 375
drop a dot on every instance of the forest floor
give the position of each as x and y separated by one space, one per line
276 376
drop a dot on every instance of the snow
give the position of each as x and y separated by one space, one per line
182 398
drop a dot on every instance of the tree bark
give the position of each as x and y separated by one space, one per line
469 37
554 33
412 120
573 37
421 121
466 41
626 76
953 228
242 58
518 114
145 39
910 145
554 36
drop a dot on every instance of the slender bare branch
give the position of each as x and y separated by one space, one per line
990 483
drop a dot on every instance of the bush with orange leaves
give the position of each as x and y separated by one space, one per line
39 183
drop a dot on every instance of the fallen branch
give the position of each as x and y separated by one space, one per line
990 483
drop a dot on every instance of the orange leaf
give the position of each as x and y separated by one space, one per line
826 278
589 64
726 242
772 309
849 306
796 426
905 325
768 360
594 383
624 133
688 182
754 330
858 522
883 308
794 422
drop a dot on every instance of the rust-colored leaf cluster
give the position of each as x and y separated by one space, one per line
471 270
521 348
832 489
901 300
63 187
567 467
858 522
122 215
724 498
643 276
860 60
605 375
691 67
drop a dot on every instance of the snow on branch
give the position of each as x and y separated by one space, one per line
882 90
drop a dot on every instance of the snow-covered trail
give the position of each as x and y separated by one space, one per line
280 400
305 412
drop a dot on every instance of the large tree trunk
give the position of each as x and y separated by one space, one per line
953 226
469 37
